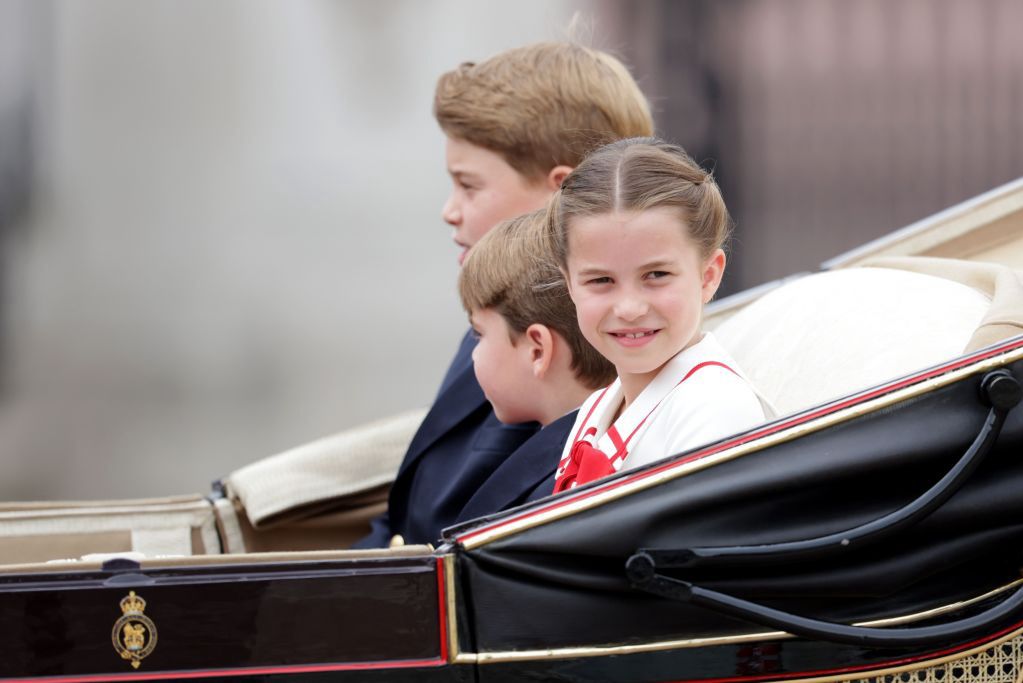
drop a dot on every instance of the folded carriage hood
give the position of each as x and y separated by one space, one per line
553 575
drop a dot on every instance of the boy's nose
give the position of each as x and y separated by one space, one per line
450 212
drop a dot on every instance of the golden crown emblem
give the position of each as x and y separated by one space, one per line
134 634
133 604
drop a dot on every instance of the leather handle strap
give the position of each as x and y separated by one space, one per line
999 389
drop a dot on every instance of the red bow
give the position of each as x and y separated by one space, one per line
585 463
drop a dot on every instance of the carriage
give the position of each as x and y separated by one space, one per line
874 531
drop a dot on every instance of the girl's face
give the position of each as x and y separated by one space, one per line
639 284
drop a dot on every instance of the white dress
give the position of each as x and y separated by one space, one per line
698 397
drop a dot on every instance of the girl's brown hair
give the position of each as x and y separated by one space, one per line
637 174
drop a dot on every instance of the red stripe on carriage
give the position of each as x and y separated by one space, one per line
232 673
442 608
442 660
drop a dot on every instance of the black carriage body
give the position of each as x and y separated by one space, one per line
349 619
541 592
550 595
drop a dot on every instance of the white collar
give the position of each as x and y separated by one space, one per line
610 437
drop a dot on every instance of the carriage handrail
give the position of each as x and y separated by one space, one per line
999 389
1002 392
920 636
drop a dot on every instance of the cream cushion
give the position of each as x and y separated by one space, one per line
314 476
835 333
1002 284
39 532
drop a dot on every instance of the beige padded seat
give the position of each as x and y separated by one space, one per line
317 496
832 334
42 532
324 475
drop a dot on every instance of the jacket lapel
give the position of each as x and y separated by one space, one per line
460 397
530 464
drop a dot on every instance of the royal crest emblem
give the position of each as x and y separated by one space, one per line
134 634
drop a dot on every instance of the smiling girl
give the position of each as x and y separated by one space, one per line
639 229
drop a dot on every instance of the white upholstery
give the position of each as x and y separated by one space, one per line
831 334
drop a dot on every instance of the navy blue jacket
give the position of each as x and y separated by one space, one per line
525 475
457 449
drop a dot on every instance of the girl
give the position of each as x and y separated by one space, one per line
639 229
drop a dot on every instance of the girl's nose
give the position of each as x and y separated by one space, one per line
630 307
451 214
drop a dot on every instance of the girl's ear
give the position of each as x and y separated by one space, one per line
540 346
557 176
713 269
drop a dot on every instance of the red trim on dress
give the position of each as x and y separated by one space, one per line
589 415
585 462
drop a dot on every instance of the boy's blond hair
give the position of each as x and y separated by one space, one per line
511 270
543 105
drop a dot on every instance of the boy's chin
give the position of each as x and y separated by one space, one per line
510 418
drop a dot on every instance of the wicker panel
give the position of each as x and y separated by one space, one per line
1001 663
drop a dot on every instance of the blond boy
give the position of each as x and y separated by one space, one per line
519 122
516 124
530 358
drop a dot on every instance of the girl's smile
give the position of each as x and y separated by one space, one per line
639 284
633 338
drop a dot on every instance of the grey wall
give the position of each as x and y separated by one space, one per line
832 122
235 242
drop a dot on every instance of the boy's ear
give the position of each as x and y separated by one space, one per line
540 347
557 176
713 269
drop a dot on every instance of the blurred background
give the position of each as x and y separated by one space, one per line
220 230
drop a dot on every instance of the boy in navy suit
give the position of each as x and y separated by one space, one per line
531 359
516 124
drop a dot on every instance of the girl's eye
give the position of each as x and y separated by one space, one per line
599 280
657 274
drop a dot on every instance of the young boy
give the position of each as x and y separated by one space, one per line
516 125
530 358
